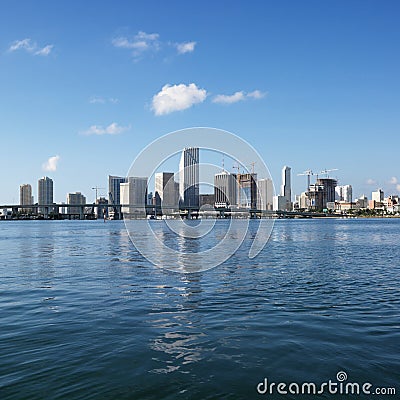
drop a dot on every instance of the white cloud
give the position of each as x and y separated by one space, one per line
24 44
177 98
371 181
103 100
229 99
398 187
51 164
393 180
112 129
238 96
97 100
140 43
256 94
31 47
185 47
45 51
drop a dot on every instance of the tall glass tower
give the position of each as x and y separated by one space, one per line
45 194
189 178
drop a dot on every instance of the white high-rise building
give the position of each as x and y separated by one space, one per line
225 189
189 178
283 202
134 195
344 193
165 186
76 198
378 196
265 196
45 194
25 196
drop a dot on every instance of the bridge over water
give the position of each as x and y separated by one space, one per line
87 211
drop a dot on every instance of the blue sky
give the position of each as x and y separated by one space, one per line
309 84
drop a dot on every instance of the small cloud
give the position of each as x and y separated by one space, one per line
371 181
97 100
31 47
177 98
103 100
45 51
185 47
112 129
398 187
229 99
256 94
140 43
51 164
393 180
238 96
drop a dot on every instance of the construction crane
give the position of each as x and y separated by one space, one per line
96 188
307 173
326 171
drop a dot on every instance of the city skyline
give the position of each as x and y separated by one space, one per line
298 83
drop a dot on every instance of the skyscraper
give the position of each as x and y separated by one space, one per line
114 188
25 196
189 178
265 194
165 186
378 195
286 188
225 189
344 193
75 198
283 202
134 196
247 192
45 194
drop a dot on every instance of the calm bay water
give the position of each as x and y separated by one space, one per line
85 316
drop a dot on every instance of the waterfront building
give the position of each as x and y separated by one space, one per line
283 202
75 199
362 202
279 203
207 200
166 188
303 201
114 188
265 196
189 178
225 189
25 197
133 194
377 196
286 187
247 193
344 193
376 205
45 195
